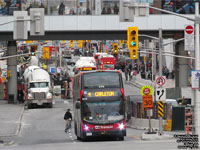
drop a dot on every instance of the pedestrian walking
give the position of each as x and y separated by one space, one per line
116 9
8 4
68 118
61 9
173 73
167 72
130 70
126 71
42 5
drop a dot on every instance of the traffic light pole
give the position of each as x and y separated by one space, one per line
197 67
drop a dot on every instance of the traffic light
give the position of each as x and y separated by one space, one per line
133 54
115 48
132 38
71 43
46 53
80 43
33 49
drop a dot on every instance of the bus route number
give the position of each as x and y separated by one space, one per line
148 101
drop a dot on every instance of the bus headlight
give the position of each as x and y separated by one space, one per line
86 127
121 126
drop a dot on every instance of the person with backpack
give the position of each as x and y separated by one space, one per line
68 118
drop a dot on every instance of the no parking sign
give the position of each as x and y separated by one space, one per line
161 81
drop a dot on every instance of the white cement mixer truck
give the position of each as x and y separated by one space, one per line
37 89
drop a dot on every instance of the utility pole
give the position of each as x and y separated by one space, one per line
196 91
160 51
56 55
160 73
60 50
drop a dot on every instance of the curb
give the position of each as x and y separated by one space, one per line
156 137
20 121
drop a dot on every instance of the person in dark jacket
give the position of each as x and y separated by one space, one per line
130 70
68 118
61 9
126 71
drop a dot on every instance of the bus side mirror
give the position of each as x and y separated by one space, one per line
78 105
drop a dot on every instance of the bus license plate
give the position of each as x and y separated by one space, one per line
89 134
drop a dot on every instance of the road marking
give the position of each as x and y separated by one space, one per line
136 137
66 102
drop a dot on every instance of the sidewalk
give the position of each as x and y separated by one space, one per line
139 82
170 83
10 116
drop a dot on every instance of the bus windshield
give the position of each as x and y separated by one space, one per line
103 111
103 79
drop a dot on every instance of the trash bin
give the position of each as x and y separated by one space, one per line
10 99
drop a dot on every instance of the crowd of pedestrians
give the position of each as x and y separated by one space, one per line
62 80
7 7
133 69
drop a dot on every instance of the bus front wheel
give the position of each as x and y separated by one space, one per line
78 138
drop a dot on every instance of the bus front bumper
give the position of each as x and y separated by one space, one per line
118 133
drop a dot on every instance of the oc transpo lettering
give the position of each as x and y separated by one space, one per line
103 127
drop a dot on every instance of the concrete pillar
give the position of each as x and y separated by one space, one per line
181 65
12 67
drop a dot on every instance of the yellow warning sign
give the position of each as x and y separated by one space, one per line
160 109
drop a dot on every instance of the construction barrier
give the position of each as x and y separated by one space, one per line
174 116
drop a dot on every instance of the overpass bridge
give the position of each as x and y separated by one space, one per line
103 27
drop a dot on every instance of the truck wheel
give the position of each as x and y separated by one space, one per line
50 105
29 106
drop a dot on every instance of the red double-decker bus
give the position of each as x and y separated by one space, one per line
99 105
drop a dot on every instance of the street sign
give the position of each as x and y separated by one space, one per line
146 90
195 79
189 29
160 109
160 94
189 38
160 81
148 102
53 70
